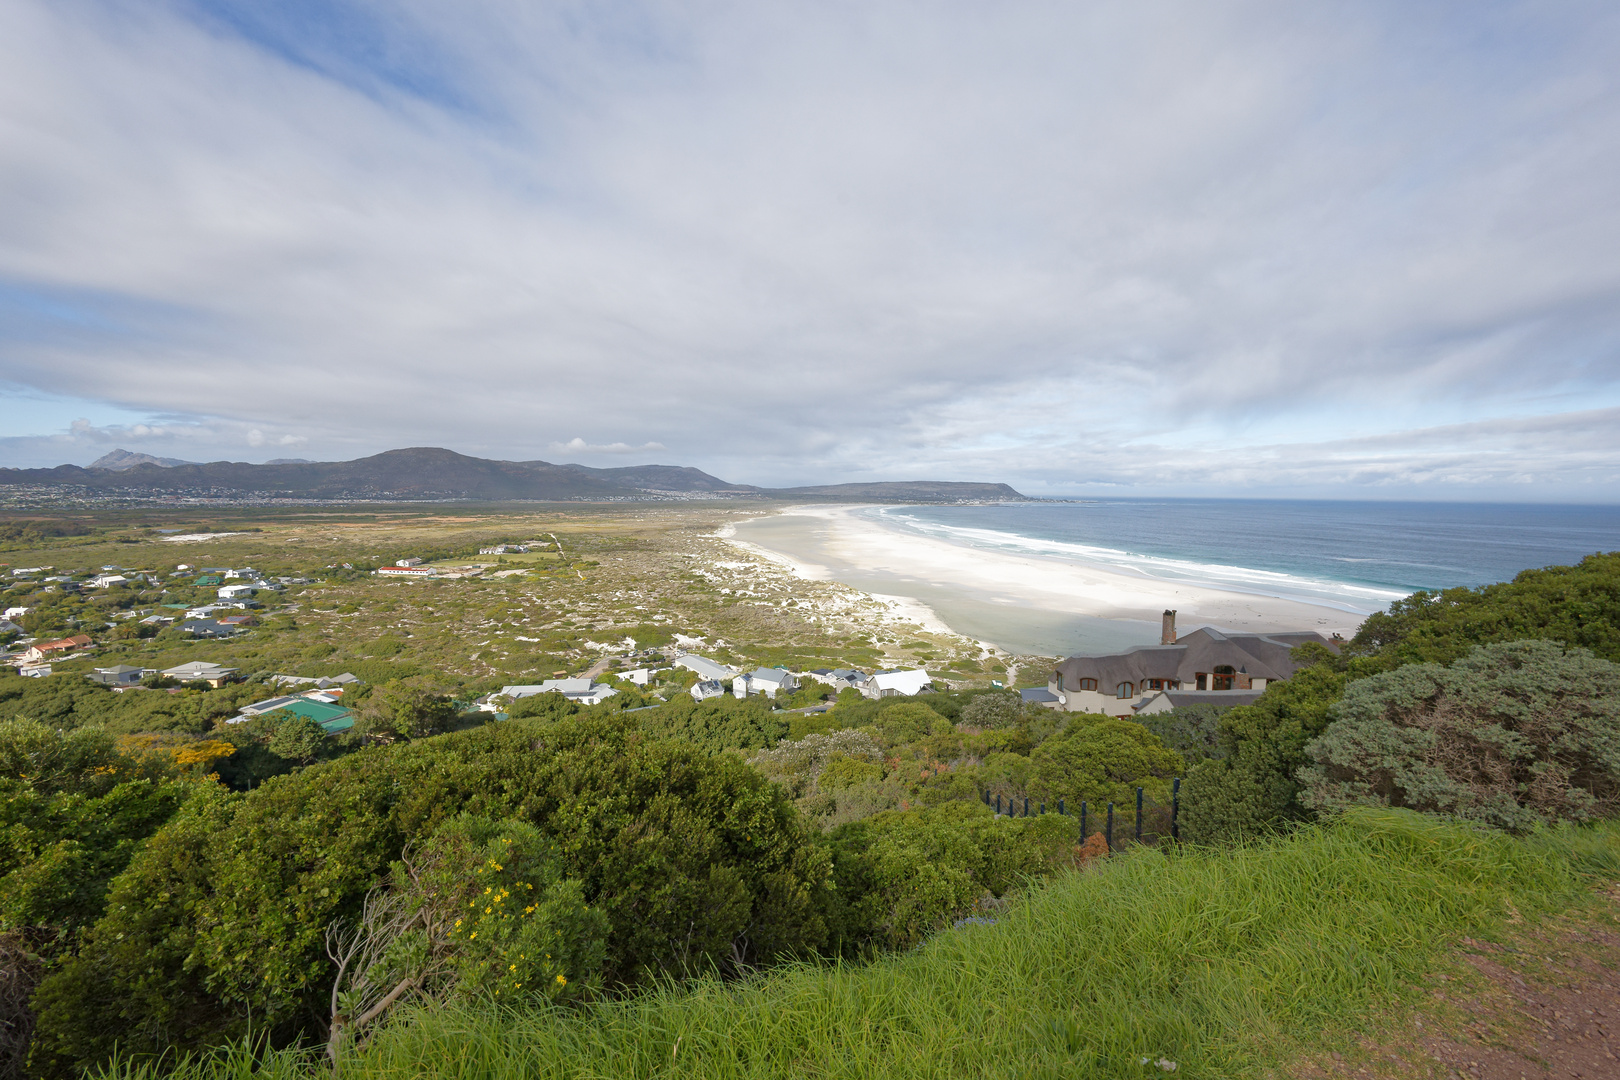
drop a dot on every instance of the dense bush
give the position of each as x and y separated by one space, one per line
482 909
715 725
1576 605
1511 735
1102 759
696 861
903 874
1193 731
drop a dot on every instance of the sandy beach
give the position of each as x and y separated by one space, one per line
1024 604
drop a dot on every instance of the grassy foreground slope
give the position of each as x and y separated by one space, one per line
1222 962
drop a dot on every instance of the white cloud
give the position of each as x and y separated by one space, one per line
1039 242
580 446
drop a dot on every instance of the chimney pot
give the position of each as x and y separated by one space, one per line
1167 636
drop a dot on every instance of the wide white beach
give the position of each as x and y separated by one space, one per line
1021 603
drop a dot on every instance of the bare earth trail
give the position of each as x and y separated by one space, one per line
1545 1005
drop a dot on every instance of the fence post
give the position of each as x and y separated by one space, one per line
1026 806
1062 811
1043 809
1082 820
998 805
1175 809
1110 836
1138 815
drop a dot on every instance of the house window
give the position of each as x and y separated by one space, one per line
1155 684
1225 675
1203 680
1088 684
1126 690
1057 677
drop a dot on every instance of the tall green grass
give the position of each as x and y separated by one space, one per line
1218 961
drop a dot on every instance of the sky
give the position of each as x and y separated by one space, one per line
1360 250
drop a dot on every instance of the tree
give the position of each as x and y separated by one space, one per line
1101 760
297 738
993 710
1512 735
399 710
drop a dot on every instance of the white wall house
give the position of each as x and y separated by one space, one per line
707 689
894 683
765 681
235 592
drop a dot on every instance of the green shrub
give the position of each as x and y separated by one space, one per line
1578 606
1512 735
1101 760
1252 786
843 771
695 860
904 874
997 709
909 721
1193 731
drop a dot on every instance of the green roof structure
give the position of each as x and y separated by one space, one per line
332 718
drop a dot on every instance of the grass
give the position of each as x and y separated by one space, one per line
1226 963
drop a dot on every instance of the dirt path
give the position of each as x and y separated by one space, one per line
1545 1005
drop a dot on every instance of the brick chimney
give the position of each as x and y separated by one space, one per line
1167 636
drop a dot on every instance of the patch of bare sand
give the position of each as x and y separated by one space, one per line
1544 1005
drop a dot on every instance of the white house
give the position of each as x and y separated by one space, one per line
584 691
405 571
838 678
105 581
894 683
15 612
200 670
707 689
235 592
639 676
763 680
37 671
708 670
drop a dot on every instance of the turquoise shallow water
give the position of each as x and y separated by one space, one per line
1352 557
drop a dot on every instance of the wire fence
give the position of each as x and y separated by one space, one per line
1145 820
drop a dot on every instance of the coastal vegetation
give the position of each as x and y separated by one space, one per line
751 887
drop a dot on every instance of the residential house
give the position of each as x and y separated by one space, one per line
838 678
405 571
707 670
210 628
15 612
763 680
235 592
1227 669
45 650
708 688
638 677
208 579
107 581
214 675
323 709
583 691
901 681
120 675
37 671
9 627
323 682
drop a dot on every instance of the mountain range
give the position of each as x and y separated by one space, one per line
435 473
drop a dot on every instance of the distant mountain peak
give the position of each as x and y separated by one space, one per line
119 460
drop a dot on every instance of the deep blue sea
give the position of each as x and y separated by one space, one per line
1357 554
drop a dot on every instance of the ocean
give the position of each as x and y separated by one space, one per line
1354 555
1352 558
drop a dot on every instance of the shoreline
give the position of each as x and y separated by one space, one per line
1022 604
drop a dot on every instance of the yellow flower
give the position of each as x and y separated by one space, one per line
512 967
458 922
488 910
474 934
561 981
